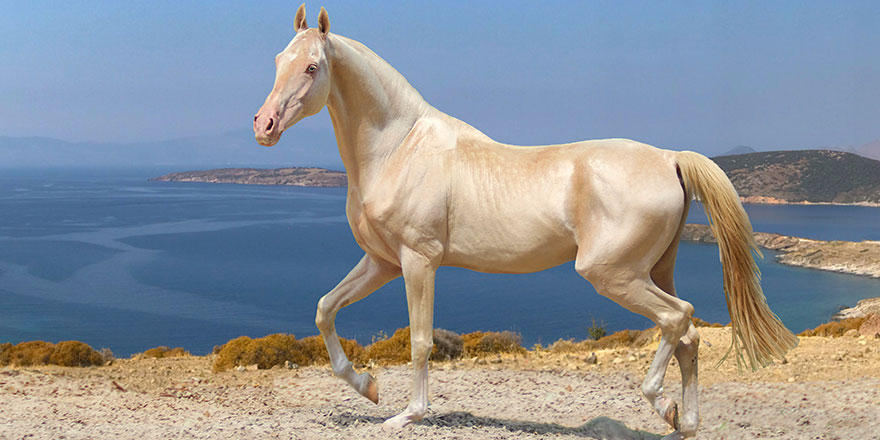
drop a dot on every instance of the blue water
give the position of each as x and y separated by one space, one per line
113 260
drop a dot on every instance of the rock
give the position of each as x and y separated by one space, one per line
240 368
591 359
617 360
871 326
851 333
864 307
631 358
253 367
292 366
496 360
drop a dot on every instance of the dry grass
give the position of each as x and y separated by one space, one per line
65 353
835 329
165 352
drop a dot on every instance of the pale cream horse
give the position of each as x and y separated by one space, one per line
428 190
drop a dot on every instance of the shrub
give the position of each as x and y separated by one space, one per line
75 354
485 343
5 353
835 329
164 352
393 350
31 353
107 355
272 350
447 345
397 349
596 331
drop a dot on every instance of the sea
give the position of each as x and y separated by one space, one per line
107 257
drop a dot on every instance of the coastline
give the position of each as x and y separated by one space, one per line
321 177
855 258
766 200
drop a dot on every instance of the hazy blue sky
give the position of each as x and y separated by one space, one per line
701 75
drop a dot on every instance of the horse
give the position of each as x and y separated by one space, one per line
427 190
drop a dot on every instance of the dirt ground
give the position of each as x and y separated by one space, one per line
827 389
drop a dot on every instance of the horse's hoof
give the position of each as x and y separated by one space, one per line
671 416
372 390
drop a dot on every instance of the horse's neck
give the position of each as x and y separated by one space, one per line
372 107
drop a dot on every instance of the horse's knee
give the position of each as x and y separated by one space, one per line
323 316
421 349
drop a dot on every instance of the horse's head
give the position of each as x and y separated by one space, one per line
302 80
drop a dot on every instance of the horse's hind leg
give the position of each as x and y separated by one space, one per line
367 276
687 350
637 293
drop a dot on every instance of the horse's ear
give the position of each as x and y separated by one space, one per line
323 22
299 23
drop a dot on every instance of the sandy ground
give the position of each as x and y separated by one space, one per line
827 389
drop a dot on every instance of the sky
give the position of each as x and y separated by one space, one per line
706 76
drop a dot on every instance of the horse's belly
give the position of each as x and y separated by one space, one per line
506 248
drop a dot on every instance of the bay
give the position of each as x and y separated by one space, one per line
106 257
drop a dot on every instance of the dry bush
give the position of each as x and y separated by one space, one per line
272 350
835 329
623 338
391 351
5 353
700 323
397 349
447 345
165 352
315 352
75 354
486 343
29 353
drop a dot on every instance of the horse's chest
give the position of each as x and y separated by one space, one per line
369 232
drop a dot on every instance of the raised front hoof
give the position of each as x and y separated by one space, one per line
371 389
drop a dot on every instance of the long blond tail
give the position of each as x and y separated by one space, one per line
757 331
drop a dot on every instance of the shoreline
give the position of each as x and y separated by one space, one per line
322 177
849 257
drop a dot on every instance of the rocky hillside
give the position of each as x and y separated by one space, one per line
281 176
812 176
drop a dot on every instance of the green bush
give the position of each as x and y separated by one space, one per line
596 331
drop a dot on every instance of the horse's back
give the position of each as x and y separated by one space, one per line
522 209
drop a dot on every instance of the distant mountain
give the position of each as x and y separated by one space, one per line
739 149
812 176
300 146
295 176
871 149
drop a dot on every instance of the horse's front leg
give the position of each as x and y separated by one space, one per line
369 275
418 274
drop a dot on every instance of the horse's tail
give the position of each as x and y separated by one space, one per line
757 331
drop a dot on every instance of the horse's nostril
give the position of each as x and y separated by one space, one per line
255 117
270 124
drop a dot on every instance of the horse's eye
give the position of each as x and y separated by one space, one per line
312 68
